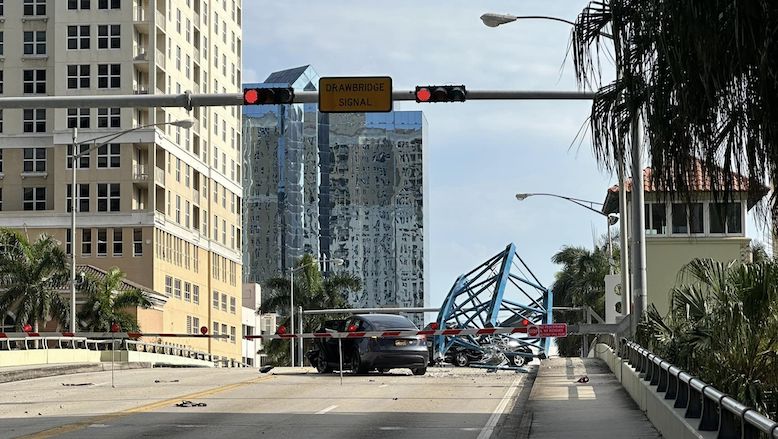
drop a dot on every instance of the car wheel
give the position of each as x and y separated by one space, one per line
357 367
518 360
321 364
419 370
461 360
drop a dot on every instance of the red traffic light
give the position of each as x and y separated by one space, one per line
268 96
250 96
423 94
441 93
281 330
203 330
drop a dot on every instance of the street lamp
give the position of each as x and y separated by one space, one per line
336 261
611 218
76 156
637 285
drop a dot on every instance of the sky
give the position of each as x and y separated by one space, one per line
480 153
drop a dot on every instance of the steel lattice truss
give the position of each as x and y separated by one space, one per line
502 291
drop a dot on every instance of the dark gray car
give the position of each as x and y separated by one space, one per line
362 355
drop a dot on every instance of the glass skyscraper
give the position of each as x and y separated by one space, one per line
350 186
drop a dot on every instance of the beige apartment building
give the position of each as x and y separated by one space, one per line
161 203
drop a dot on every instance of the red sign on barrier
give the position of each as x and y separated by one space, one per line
549 330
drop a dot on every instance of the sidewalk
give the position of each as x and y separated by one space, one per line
561 407
17 373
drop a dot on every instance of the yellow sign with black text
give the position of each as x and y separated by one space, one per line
356 94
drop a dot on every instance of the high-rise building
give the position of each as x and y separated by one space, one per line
161 203
350 186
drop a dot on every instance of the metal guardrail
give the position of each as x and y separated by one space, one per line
715 410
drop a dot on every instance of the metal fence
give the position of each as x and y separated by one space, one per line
716 411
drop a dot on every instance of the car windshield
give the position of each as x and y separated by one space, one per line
389 322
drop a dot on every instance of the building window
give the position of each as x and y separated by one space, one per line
83 197
177 288
109 4
687 219
178 58
187 291
178 170
2 48
224 232
1 130
86 242
188 324
2 81
215 299
34 198
215 328
79 76
224 302
215 228
224 329
109 75
2 8
68 241
137 242
109 156
34 160
118 243
34 7
178 21
34 120
34 81
186 215
195 325
109 118
102 242
78 37
232 305
83 157
35 42
109 36
232 334
79 4
108 197
725 218
196 294
178 209
78 117
1 151
168 286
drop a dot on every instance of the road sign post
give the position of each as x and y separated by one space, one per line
356 94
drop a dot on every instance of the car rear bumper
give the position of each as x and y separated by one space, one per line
396 359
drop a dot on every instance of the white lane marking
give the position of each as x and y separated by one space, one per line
391 428
323 411
190 426
384 385
488 429
98 425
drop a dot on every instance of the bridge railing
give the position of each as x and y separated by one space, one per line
715 410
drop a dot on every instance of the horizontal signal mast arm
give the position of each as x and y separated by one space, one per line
189 101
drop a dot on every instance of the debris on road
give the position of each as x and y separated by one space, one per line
265 369
191 404
165 381
77 384
583 379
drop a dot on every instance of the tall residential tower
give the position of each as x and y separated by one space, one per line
161 203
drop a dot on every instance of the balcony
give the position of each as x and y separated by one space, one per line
140 173
160 59
159 176
161 21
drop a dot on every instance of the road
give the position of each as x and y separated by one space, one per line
288 403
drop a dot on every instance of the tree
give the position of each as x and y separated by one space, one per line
702 75
107 302
31 274
723 326
311 291
580 282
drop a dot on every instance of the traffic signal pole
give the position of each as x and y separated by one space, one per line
189 101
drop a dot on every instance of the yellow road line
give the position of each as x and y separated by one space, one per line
69 428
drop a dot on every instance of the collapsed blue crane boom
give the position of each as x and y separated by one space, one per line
502 291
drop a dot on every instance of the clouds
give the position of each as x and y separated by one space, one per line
480 153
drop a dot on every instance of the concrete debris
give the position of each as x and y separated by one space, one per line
191 404
77 384
165 381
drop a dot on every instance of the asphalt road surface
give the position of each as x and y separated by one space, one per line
288 403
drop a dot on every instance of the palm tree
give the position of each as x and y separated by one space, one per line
311 291
723 326
701 76
580 282
107 302
30 276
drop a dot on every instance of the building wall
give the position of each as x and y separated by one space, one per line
665 257
180 189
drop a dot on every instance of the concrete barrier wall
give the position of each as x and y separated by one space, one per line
669 420
32 357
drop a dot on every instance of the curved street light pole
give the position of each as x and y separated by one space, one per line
76 156
635 286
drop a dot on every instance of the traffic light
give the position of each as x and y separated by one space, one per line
441 93
268 96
